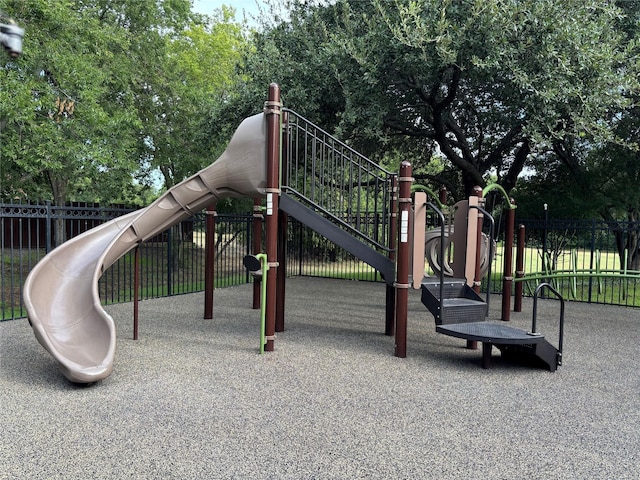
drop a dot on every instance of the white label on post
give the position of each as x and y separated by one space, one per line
269 203
404 226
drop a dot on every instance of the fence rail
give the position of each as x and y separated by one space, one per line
173 262
574 255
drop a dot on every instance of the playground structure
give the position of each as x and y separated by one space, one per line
455 303
302 172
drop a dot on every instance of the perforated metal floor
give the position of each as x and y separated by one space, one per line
489 332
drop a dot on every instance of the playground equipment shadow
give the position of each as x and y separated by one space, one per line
193 399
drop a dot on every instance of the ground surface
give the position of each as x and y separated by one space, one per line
193 399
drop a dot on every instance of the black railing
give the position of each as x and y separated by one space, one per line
586 260
173 262
333 179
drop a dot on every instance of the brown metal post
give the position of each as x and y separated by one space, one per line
390 305
517 303
442 195
507 278
257 245
402 280
283 225
136 291
272 110
209 260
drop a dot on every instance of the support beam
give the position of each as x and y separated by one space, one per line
273 110
402 277
507 278
209 262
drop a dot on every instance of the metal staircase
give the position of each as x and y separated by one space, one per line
460 312
338 193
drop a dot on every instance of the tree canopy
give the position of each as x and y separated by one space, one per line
111 92
105 92
488 84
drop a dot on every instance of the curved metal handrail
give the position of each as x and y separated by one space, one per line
535 314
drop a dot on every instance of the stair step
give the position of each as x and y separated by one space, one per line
462 310
513 343
460 303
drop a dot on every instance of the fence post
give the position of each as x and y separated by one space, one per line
544 244
592 256
272 111
48 225
136 290
402 276
169 261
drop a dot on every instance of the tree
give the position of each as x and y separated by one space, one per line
109 90
66 113
487 83
600 178
176 94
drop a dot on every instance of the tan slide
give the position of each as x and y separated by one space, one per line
61 292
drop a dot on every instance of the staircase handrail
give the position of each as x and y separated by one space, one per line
337 178
341 143
535 315
335 219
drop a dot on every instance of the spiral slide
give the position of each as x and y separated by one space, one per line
61 292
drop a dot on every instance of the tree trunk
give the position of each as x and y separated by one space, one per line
59 186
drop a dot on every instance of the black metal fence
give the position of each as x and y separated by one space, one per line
171 263
174 262
586 260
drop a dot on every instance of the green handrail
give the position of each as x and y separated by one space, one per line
264 266
416 187
495 186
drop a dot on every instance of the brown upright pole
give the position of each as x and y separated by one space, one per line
272 111
283 225
507 278
390 322
209 260
517 303
402 280
136 291
442 195
257 245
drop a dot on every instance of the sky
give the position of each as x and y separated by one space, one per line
248 6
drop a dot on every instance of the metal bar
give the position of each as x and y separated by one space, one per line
136 291
517 302
209 261
539 288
